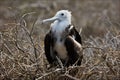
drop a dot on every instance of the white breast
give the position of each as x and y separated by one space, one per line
61 50
57 29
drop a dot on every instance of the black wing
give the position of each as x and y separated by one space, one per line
74 32
73 47
47 44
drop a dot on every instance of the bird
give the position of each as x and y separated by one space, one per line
63 41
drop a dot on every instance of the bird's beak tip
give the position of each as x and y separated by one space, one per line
42 22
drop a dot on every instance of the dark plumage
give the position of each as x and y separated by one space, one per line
63 43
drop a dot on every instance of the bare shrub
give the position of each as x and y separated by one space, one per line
21 39
22 57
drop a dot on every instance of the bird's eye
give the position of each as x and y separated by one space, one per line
62 14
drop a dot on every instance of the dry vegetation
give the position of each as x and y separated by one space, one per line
21 39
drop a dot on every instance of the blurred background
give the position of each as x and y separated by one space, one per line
22 37
95 17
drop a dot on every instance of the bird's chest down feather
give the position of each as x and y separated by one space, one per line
60 48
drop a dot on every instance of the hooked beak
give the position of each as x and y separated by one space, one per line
50 19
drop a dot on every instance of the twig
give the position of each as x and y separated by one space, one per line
110 67
60 62
84 47
27 14
76 62
69 76
8 49
18 47
47 74
33 26
4 68
80 30
28 33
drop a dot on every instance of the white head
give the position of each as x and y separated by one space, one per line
60 16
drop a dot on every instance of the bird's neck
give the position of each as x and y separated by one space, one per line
58 29
60 26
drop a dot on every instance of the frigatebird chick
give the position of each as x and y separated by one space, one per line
63 41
